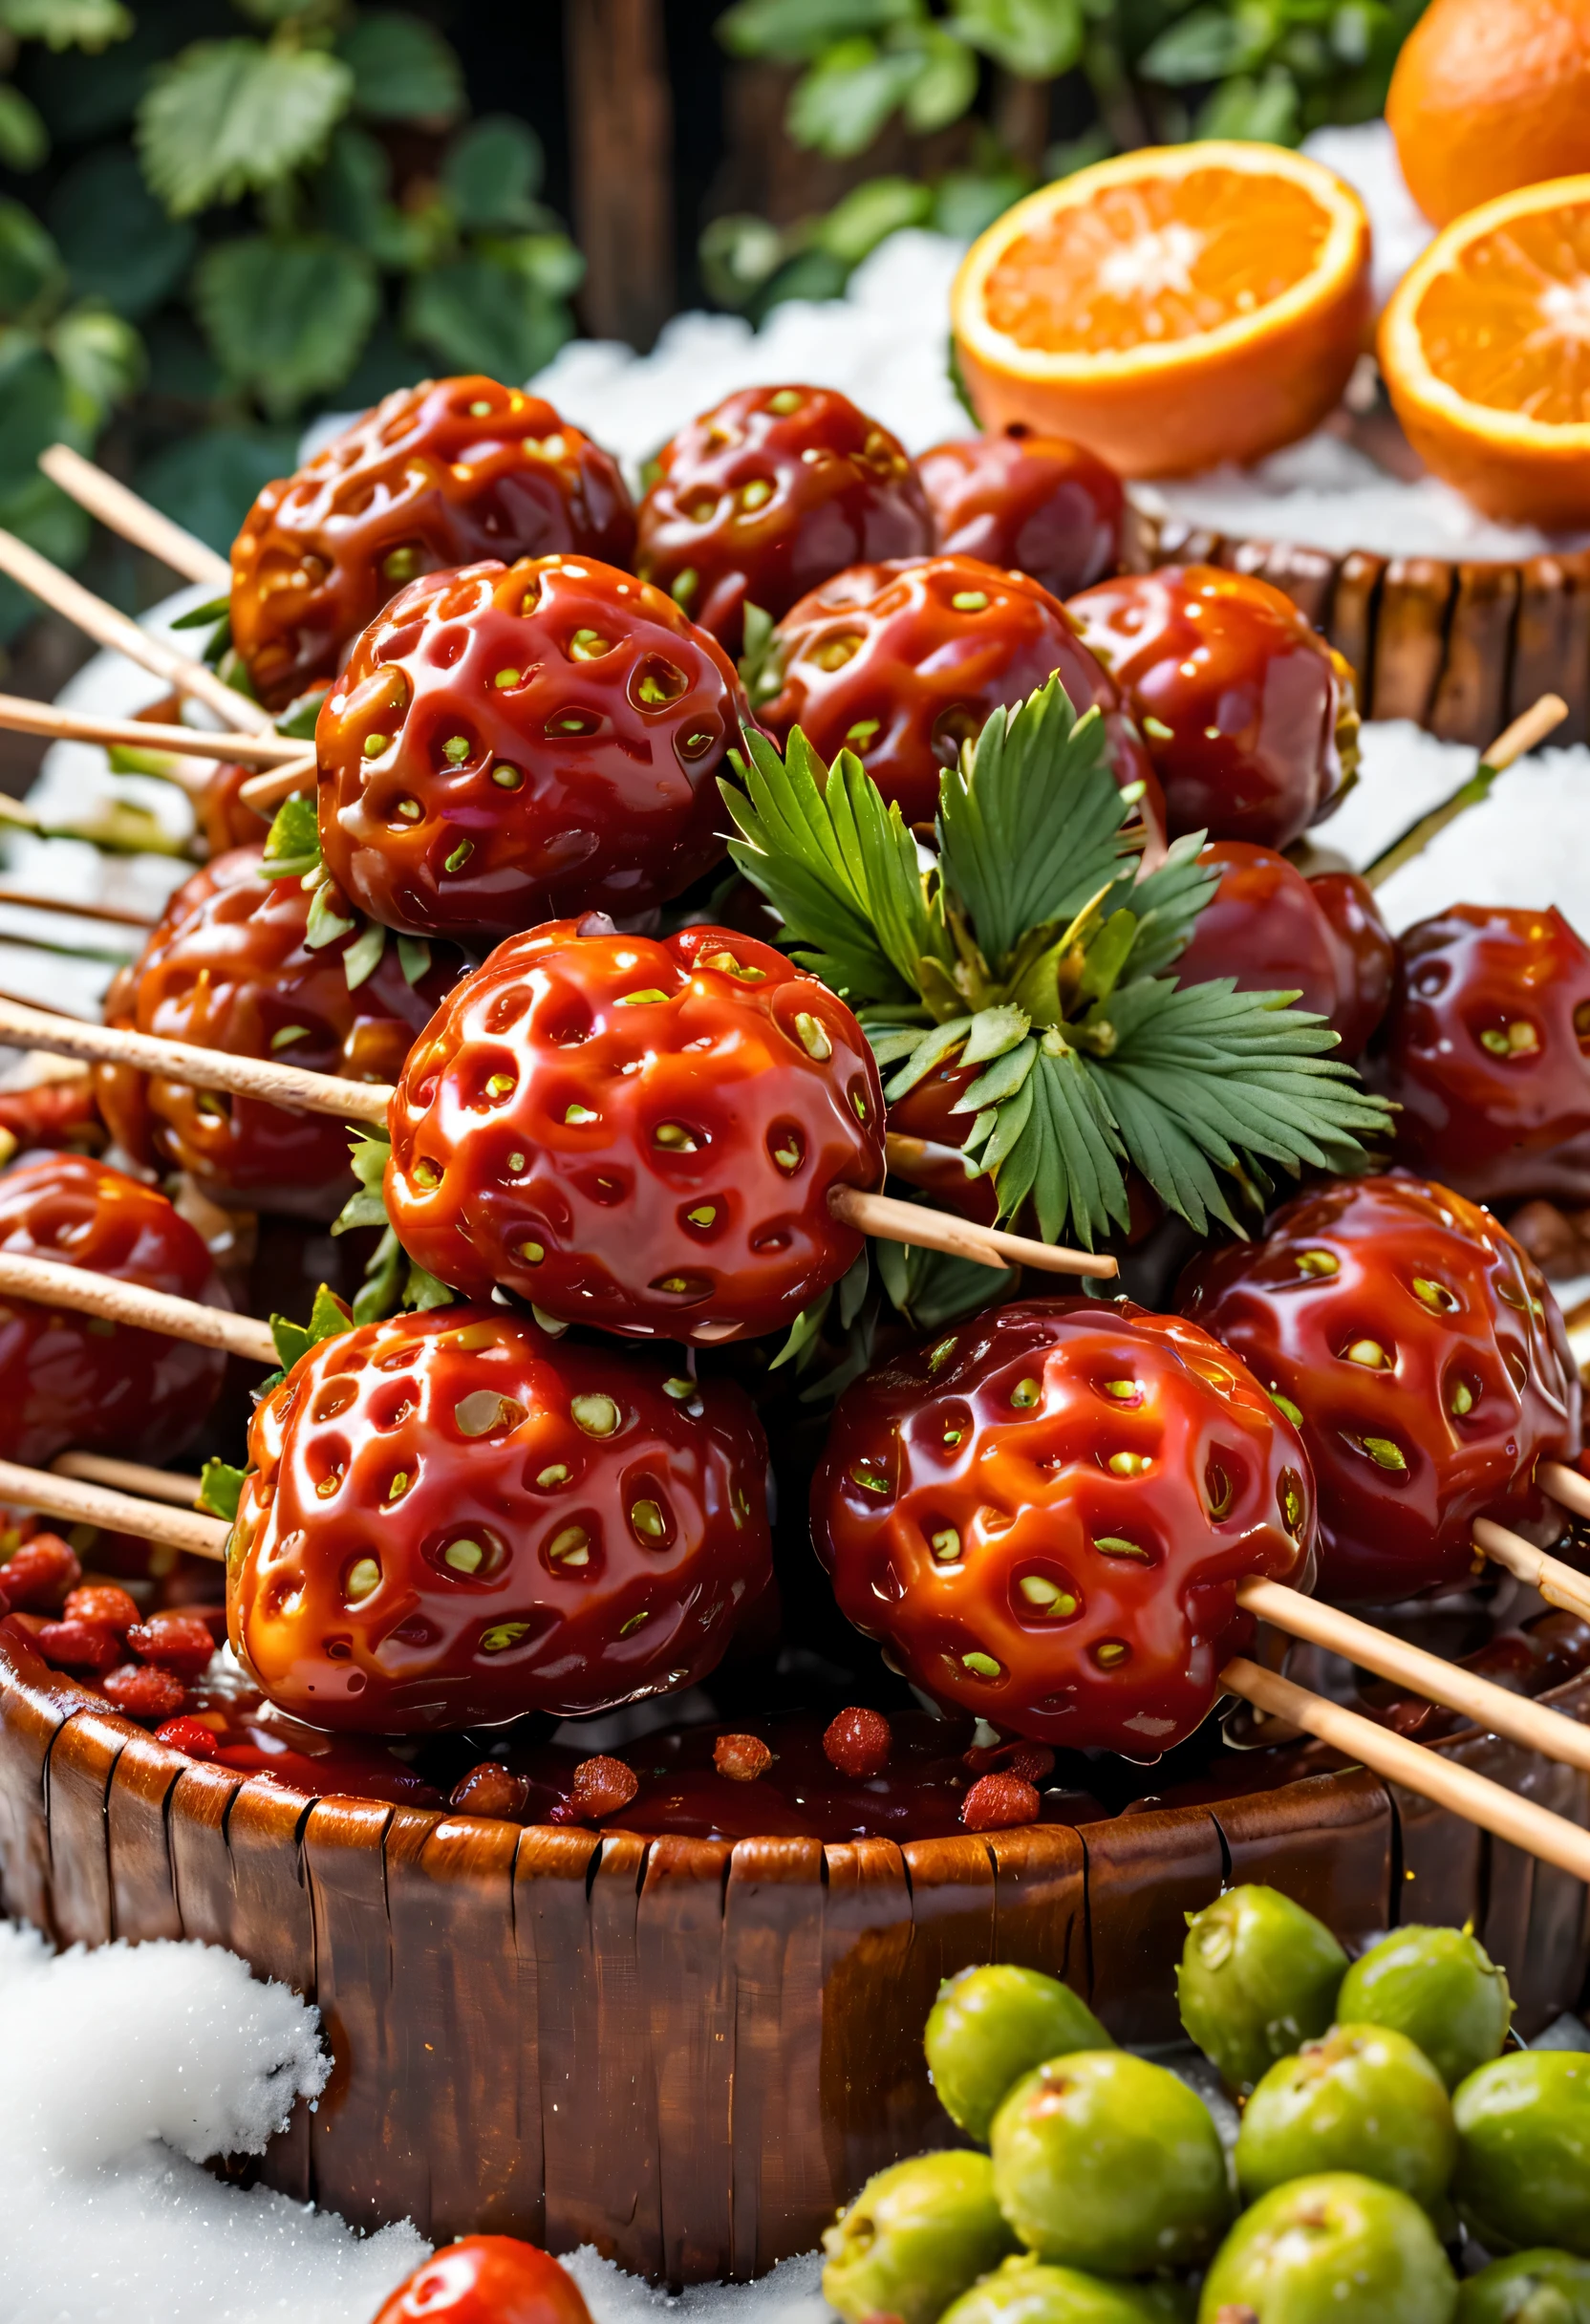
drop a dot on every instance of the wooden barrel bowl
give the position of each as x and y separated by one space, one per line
689 2052
1461 647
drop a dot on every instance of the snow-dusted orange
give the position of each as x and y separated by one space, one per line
1484 346
1489 95
1170 309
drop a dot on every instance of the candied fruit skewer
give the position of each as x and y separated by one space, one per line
18 715
1526 733
130 1477
369 1102
125 512
84 1504
49 1283
1560 1585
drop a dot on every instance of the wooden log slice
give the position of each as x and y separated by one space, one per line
689 2051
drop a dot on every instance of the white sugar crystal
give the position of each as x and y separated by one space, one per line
1366 154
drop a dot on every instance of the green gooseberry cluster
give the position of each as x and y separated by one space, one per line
1378 2111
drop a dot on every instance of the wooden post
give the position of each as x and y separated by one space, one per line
622 127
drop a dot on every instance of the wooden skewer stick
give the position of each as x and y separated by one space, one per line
1491 1708
134 519
129 1477
265 793
116 914
67 725
108 628
910 1222
1565 1485
1531 727
52 1284
79 1504
1428 1773
1558 1584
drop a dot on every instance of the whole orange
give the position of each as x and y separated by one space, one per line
1489 96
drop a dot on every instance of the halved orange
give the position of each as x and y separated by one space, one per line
1484 346
1176 307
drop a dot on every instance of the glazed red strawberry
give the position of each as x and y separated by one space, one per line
509 743
488 2279
902 663
1485 1048
453 1519
1036 504
70 1379
53 1115
1044 1516
766 495
1250 717
436 476
1275 931
638 1133
231 966
1424 1362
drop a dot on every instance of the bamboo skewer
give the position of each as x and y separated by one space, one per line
129 1477
21 715
910 1222
1565 1485
123 511
108 628
51 1283
1558 1584
117 914
1531 727
80 1504
265 793
1491 1708
1475 1799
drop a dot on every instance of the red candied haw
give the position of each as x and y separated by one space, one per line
491 1789
41 1572
451 1518
637 1132
436 476
488 2279
188 1735
78 1646
1486 1048
1035 504
230 967
139 1692
601 1787
996 1802
510 743
76 1380
742 1758
1250 718
903 663
1045 1514
1422 1358
1275 931
102 1601
858 1741
1033 1762
769 494
179 1642
53 1114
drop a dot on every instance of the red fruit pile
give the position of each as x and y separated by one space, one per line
1275 931
902 663
509 743
1044 1517
436 476
453 1519
1249 716
232 966
143 1668
1486 1049
1424 1364
1034 504
76 1381
769 494
488 2279
636 1133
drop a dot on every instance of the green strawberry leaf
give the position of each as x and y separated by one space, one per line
292 844
227 117
328 1316
221 1488
1166 902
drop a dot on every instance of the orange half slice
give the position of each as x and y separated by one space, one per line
1484 346
1172 309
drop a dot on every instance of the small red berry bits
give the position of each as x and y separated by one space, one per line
638 1133
1034 504
103 1602
488 2279
741 1758
1486 1049
74 1381
1045 1515
601 1787
1275 931
858 1742
179 1642
902 663
452 1519
39 1574
436 476
1250 717
188 1735
232 966
139 1692
766 495
1422 1361
510 743
490 1790
78 1646
996 1802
